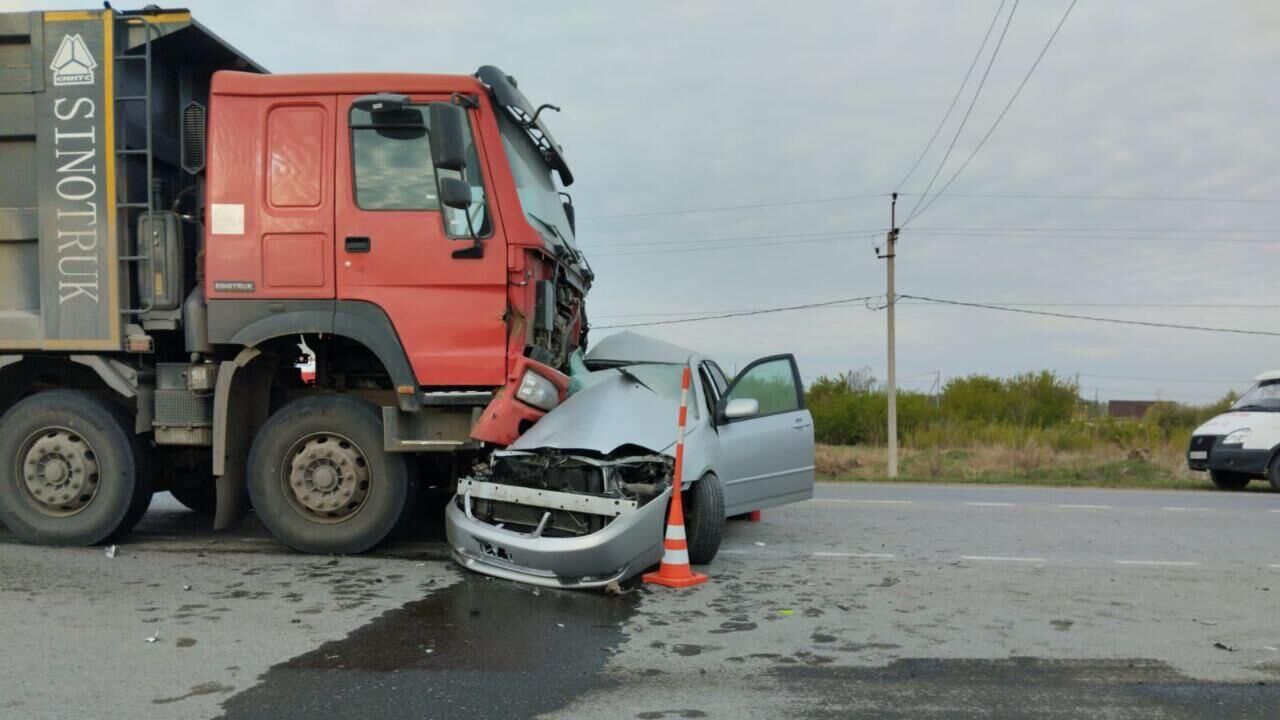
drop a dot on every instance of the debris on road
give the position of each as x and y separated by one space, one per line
154 637
786 612
1205 622
1224 646
186 587
110 551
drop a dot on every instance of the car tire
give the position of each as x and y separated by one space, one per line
201 498
704 519
321 481
1273 473
81 437
1227 480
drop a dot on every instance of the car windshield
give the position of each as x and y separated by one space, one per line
538 196
1264 396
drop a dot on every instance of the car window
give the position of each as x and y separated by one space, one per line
772 384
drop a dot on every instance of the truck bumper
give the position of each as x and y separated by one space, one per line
623 548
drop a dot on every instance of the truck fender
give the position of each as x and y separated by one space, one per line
242 392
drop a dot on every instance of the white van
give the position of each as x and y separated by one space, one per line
1242 444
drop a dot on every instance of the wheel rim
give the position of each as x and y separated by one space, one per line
58 472
326 478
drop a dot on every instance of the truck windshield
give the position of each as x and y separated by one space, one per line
1265 396
538 196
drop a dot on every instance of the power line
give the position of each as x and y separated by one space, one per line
725 208
959 91
944 229
1110 198
643 243
981 83
743 313
1196 306
654 251
999 117
1069 316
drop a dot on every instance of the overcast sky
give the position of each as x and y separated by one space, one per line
678 106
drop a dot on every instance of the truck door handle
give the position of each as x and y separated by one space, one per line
358 244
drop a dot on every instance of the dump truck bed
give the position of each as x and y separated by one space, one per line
91 111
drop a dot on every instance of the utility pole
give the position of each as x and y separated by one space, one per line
891 299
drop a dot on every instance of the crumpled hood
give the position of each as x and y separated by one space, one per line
1229 421
612 412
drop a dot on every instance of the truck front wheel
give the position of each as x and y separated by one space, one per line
320 480
72 472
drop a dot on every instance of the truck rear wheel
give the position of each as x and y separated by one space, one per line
72 472
320 479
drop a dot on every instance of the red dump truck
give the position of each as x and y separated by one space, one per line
180 231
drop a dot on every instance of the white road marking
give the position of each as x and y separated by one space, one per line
835 500
1275 511
997 558
886 502
989 504
1171 563
1086 507
1186 509
867 556
1275 566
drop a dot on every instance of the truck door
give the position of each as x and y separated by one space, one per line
766 457
395 246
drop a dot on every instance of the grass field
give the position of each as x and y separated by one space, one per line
1100 466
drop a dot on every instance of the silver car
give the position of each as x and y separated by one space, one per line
580 500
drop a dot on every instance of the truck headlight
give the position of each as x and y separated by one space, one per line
1237 437
538 391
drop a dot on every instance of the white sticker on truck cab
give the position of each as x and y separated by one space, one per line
227 219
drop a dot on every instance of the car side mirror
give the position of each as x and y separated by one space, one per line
738 408
455 193
448 136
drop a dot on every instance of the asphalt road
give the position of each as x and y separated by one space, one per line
871 600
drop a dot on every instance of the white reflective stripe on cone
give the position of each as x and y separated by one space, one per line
676 557
675 532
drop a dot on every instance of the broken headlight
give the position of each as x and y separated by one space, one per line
538 391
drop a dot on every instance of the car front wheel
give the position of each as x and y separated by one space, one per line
1226 480
704 519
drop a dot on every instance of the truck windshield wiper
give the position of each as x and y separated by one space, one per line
550 228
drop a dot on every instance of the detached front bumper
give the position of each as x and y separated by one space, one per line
623 548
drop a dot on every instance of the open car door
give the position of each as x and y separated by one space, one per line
766 437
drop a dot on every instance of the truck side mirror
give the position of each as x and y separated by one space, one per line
448 136
455 193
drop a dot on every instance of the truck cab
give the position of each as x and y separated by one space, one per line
181 230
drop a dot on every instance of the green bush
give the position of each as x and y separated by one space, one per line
1035 408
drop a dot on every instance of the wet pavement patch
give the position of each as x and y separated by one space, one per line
476 649
1022 687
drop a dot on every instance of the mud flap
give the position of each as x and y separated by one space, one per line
240 407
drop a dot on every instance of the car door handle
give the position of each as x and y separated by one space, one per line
358 244
800 423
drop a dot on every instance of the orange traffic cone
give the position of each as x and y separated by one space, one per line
674 570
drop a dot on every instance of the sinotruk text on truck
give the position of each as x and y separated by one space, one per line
178 228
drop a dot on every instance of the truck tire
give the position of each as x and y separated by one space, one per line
72 471
201 498
320 479
704 519
1227 480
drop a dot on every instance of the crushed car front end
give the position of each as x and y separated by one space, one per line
559 519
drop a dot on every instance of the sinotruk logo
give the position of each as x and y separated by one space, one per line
73 64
